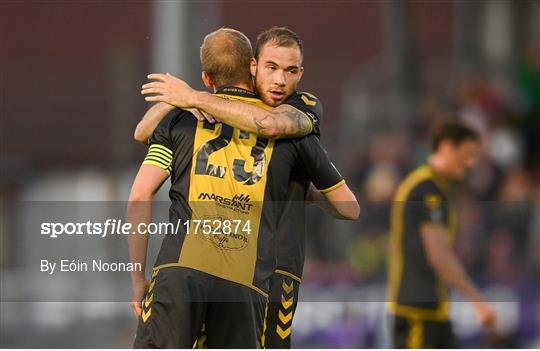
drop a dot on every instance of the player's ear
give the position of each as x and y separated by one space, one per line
207 80
253 66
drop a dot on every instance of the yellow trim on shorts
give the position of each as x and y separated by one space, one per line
439 315
415 339
263 336
288 274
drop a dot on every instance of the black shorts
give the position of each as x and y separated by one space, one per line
181 300
283 299
414 333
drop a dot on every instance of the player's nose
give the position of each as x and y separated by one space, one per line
279 79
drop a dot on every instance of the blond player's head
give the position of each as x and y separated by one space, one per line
225 58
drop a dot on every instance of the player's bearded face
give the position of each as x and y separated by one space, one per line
463 157
277 73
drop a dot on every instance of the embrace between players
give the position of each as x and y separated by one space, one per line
266 151
254 141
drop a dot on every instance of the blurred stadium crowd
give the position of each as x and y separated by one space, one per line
508 174
499 210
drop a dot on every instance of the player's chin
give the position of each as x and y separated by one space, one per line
273 102
278 100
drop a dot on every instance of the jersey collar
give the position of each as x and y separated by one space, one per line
236 92
441 182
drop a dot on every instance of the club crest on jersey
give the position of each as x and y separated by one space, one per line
433 203
227 239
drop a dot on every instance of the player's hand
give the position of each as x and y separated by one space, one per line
139 290
486 314
169 89
201 115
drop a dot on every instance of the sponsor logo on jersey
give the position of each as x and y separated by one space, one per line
241 203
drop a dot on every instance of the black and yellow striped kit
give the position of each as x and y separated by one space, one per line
221 174
290 240
415 292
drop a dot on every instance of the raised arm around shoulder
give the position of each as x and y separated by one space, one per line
283 121
150 120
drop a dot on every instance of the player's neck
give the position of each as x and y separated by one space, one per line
437 164
245 86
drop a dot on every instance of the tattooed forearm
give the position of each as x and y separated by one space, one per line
265 125
284 122
298 124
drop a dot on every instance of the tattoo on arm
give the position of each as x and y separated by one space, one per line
262 123
299 124
287 122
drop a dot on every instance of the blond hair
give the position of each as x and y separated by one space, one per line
225 57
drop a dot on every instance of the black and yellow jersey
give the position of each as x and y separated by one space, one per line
228 177
311 106
291 228
414 290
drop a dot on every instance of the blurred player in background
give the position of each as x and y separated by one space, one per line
193 278
421 260
277 70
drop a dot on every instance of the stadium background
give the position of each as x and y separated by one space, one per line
386 71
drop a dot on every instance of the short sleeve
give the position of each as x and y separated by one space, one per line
162 133
310 106
318 167
160 152
427 204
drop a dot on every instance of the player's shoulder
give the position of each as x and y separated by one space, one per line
176 123
179 118
302 98
418 183
260 103
310 105
171 116
425 188
238 94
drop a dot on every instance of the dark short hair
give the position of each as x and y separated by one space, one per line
279 36
225 56
455 132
